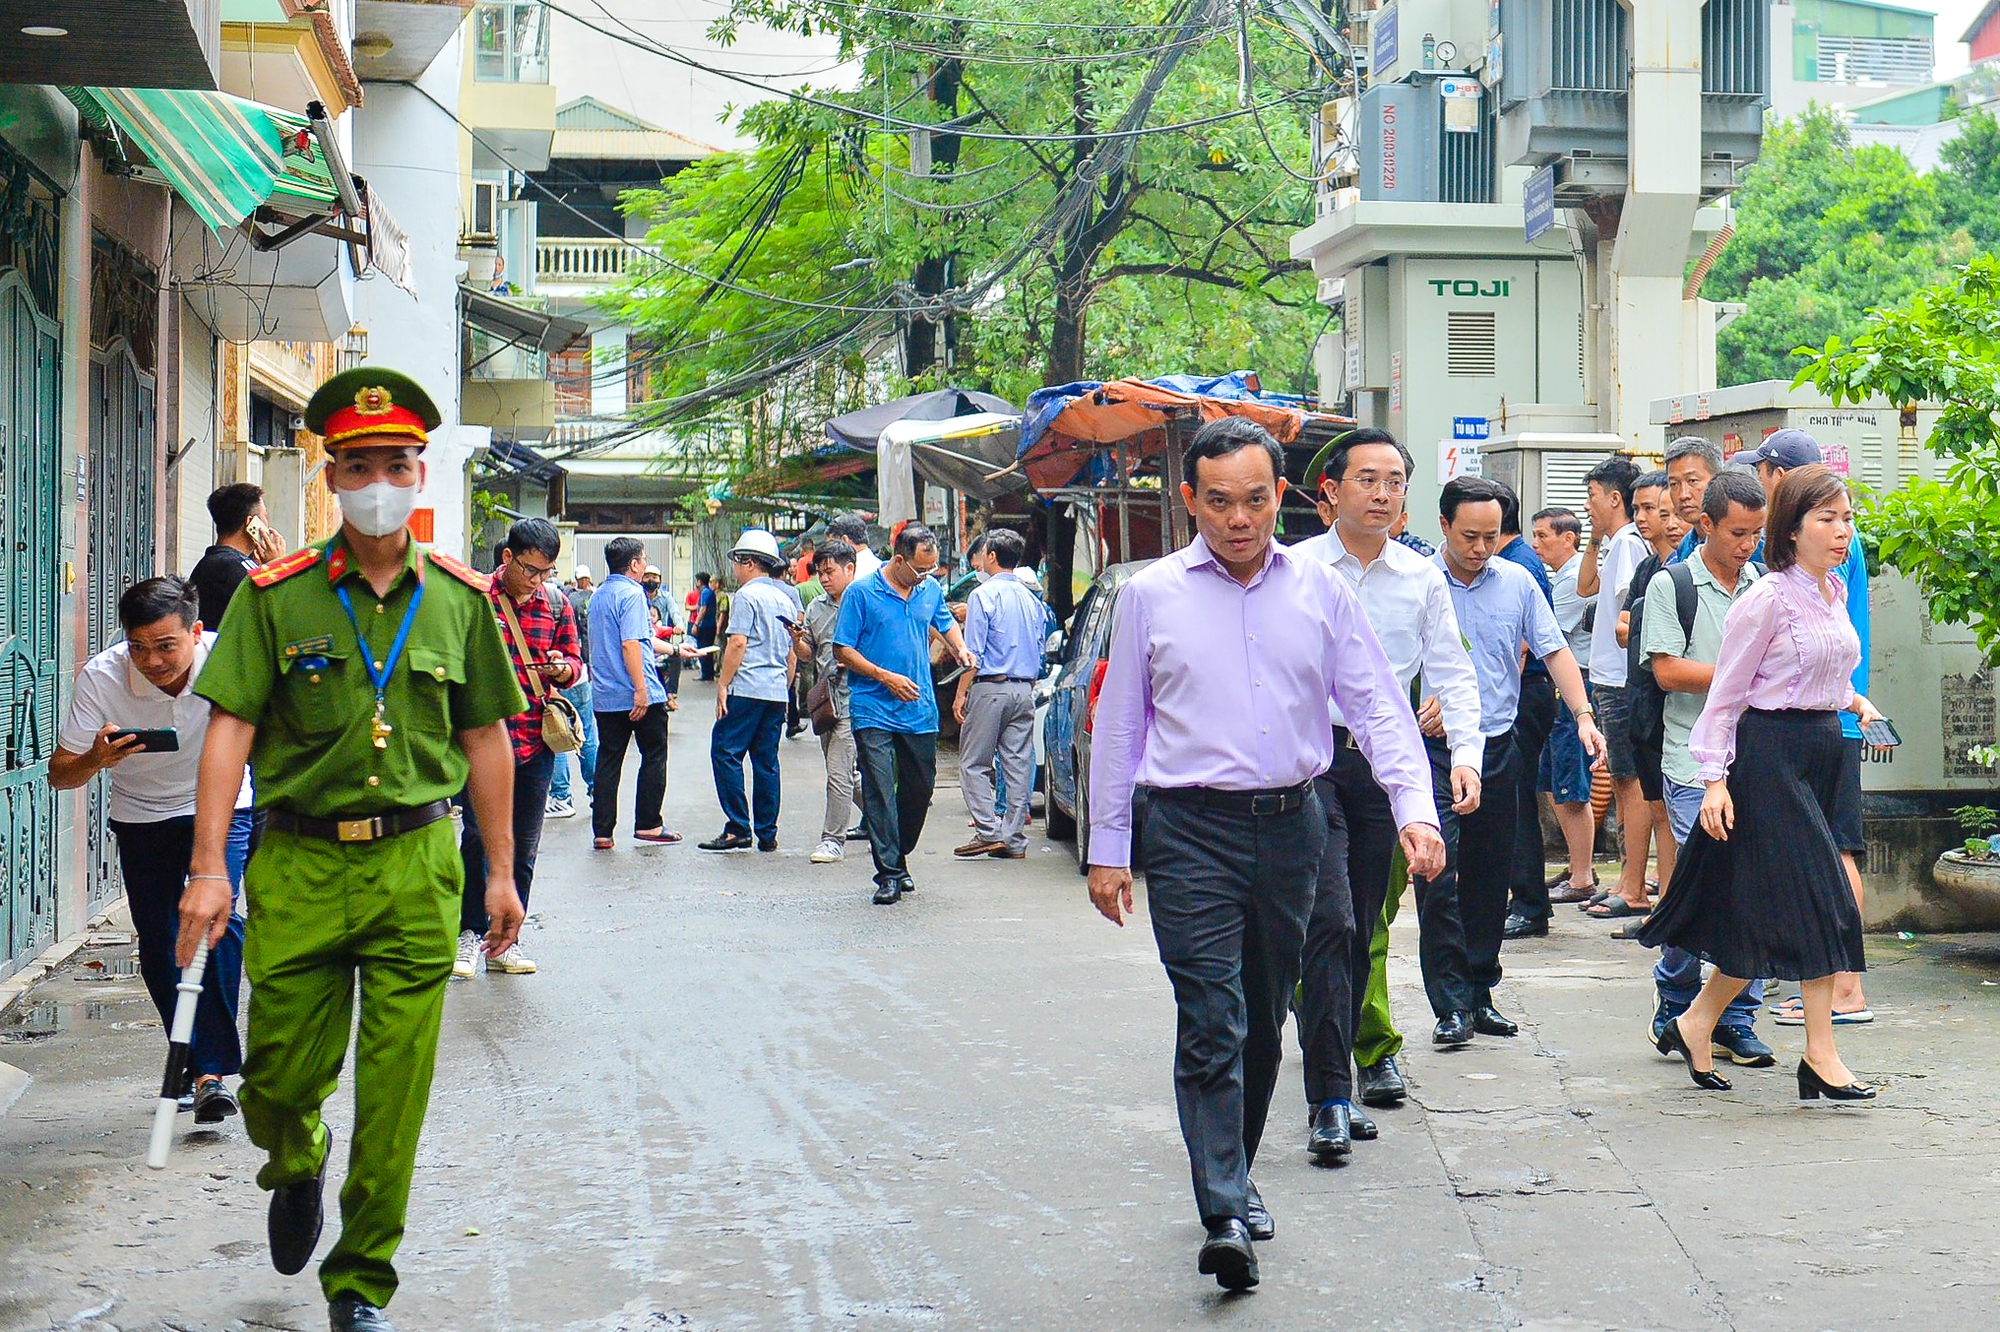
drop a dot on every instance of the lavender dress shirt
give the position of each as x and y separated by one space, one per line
1783 646
1215 684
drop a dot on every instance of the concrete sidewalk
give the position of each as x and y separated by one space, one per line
738 1096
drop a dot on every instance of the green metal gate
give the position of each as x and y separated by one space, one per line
30 560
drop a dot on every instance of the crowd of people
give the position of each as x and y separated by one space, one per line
289 727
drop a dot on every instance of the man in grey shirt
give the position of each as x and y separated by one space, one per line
751 687
834 564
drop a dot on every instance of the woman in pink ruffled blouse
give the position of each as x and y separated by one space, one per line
1760 890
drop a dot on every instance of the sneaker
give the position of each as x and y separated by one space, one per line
1741 1046
828 852
558 809
513 962
467 960
1665 1013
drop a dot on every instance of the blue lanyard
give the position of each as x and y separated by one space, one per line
380 677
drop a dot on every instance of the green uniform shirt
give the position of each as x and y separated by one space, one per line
286 660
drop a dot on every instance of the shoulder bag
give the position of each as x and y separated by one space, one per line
562 724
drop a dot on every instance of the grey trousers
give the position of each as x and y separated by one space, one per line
842 809
999 719
1229 895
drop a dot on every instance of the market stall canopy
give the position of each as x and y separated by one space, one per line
951 437
1070 427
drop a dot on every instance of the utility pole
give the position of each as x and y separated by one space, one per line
927 335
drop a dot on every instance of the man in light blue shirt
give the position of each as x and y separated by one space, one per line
1005 625
883 639
1500 607
631 702
751 688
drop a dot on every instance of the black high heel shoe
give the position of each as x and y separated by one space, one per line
1671 1042
1812 1086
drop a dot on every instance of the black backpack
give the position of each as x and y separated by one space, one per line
1645 700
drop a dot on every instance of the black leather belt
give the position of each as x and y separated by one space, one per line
371 828
1282 800
1003 679
1344 738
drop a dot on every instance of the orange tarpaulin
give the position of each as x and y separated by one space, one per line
1135 411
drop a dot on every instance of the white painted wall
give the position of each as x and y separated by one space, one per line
408 150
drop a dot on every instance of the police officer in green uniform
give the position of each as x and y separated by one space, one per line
365 681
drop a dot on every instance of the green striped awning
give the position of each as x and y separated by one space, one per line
224 155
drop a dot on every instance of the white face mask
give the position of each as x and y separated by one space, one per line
378 509
981 575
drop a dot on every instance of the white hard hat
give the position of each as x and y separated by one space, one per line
653 571
756 541
583 571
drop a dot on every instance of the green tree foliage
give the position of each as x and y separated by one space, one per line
1941 345
1067 246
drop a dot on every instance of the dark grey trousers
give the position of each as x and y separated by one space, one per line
1229 895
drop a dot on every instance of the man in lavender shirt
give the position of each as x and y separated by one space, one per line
1220 655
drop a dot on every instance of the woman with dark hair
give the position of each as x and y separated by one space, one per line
1759 890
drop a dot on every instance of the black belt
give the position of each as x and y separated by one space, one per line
371 828
1280 800
1344 739
1003 679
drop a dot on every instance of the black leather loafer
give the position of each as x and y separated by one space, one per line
1453 1029
1257 1217
295 1221
1227 1255
888 894
1381 1085
1332 1136
1361 1127
213 1102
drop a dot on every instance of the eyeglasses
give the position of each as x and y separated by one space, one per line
1378 485
534 575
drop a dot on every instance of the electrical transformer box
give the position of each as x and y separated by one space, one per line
1408 36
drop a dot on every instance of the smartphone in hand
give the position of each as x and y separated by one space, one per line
162 741
1881 734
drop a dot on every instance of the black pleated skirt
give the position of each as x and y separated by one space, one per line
1773 900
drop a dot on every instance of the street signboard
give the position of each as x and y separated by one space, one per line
1538 202
1470 427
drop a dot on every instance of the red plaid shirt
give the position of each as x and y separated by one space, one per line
547 629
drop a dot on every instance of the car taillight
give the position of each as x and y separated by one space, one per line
1096 687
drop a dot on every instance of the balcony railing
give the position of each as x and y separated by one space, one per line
582 262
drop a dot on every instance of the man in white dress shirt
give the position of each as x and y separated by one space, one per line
1409 607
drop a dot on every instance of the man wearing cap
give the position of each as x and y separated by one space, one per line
366 680
750 691
1780 452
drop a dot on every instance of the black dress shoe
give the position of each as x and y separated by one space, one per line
1490 1021
1332 1135
888 894
351 1313
1522 927
1381 1085
1362 1127
1672 1042
1812 1086
770 844
726 841
295 1221
213 1102
1227 1255
1453 1029
857 833
1257 1217
909 885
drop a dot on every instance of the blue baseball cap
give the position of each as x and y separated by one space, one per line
1783 448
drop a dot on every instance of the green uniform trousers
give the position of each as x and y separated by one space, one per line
321 913
1377 1038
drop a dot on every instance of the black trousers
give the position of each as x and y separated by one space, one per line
531 797
1229 895
1532 725
1486 840
1353 881
614 731
898 775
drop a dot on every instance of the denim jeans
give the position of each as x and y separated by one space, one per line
1677 975
531 797
578 694
898 777
155 857
753 726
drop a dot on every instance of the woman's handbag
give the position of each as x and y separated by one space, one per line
562 724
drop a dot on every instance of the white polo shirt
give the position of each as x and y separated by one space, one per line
145 788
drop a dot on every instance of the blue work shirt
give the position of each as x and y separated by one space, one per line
1855 574
1005 625
1500 610
620 614
756 616
1523 554
892 632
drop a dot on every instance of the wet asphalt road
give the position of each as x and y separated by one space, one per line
739 1096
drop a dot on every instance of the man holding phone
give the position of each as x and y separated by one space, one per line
750 692
243 540
135 715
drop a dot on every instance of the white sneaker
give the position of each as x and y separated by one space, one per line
468 956
513 962
828 852
558 809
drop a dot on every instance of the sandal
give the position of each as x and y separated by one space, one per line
1597 898
1614 907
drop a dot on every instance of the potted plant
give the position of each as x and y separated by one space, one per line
1970 873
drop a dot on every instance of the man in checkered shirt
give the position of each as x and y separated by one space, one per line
548 626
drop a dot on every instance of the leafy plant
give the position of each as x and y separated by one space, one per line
1977 822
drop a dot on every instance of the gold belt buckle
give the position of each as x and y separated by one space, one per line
359 830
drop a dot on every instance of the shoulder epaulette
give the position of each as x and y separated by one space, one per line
277 571
460 570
